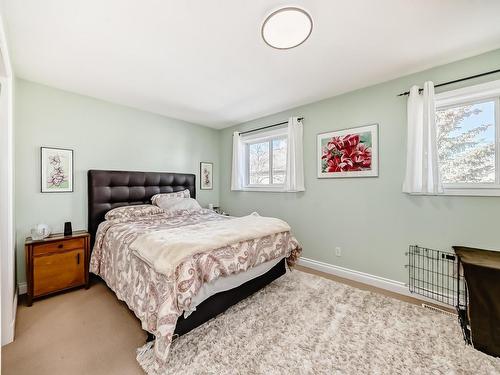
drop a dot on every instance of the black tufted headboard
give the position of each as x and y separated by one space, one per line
110 189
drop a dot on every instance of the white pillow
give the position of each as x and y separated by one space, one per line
179 194
170 205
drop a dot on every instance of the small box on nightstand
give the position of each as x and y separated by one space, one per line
57 263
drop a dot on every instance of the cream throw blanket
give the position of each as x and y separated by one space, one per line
164 249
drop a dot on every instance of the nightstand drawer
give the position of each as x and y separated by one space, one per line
58 246
58 271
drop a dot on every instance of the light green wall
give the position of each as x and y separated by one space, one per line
370 218
103 136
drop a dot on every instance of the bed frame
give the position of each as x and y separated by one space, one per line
111 189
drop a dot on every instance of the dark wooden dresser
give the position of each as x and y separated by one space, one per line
482 274
57 263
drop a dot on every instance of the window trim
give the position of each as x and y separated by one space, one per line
262 137
471 93
489 91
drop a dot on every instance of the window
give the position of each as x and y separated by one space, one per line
265 162
468 131
270 160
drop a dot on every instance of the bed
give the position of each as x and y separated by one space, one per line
221 277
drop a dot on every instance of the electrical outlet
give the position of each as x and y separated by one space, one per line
338 251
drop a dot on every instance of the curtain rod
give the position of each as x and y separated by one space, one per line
269 126
457 80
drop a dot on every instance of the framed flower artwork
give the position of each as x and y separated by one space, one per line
348 153
57 170
206 175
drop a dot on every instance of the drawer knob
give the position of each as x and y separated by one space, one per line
60 246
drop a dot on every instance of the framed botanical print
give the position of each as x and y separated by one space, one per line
348 153
206 175
56 170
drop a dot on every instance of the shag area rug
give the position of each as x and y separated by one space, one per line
306 324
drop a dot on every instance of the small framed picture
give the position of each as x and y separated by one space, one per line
348 153
56 170
206 175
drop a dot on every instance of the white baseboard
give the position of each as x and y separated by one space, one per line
362 277
365 278
22 288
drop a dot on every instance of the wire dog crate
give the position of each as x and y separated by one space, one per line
438 276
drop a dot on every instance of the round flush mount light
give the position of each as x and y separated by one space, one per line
287 28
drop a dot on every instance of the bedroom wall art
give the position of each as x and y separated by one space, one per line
57 170
50 117
206 175
338 208
348 153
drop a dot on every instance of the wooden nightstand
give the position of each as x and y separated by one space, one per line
57 263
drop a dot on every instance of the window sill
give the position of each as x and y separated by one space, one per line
268 189
467 192
472 192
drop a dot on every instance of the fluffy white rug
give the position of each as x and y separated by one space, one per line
306 324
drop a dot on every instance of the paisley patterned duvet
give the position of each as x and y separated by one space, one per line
159 299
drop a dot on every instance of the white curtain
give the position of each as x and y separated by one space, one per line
238 169
295 156
422 170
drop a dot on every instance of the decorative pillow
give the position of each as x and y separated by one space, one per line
170 205
139 210
178 194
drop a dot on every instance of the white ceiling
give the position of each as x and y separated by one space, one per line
205 62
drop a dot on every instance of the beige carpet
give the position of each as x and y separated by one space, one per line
76 333
90 332
316 326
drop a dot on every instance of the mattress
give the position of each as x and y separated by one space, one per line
229 282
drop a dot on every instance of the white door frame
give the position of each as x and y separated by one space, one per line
7 249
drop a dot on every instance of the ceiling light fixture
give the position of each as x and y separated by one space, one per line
287 28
